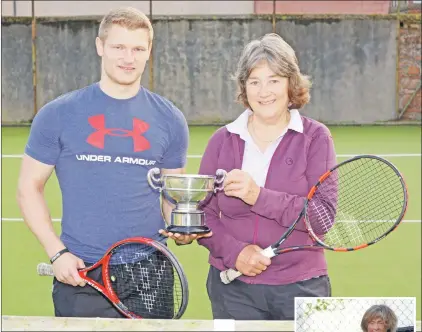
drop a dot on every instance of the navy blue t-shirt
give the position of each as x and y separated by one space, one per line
102 149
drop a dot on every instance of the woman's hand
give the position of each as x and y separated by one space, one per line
240 184
251 262
183 238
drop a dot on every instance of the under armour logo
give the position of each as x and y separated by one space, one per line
96 139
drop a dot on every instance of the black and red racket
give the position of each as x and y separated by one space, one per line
353 205
141 277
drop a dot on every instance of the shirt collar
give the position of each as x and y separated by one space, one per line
240 125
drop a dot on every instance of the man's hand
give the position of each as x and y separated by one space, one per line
183 238
250 262
66 269
240 184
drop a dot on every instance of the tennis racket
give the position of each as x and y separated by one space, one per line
140 277
353 205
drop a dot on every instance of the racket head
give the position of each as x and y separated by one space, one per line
143 279
356 204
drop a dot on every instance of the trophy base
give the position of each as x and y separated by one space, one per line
188 229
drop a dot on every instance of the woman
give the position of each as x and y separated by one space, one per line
273 156
379 318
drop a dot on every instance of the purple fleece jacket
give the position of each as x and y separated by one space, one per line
298 162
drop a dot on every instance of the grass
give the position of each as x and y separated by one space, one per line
391 268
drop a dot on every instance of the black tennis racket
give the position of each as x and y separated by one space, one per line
352 206
141 278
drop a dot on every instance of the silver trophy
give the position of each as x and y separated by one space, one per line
186 191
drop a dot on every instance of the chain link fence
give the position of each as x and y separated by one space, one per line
345 314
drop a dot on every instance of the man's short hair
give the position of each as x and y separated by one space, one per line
127 17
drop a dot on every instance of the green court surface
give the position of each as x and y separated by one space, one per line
391 268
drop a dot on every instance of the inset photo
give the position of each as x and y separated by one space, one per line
357 314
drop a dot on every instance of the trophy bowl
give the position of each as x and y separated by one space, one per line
187 192
186 188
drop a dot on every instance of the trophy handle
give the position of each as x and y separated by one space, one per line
219 179
154 182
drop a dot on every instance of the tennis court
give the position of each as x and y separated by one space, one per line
392 268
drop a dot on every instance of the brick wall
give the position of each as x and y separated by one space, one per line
410 70
323 7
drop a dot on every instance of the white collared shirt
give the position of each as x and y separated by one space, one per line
255 162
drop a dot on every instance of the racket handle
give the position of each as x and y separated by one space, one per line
44 269
229 275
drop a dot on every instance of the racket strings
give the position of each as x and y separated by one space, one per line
382 190
358 203
145 281
366 208
378 185
369 204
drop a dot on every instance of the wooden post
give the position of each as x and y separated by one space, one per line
398 34
34 59
151 56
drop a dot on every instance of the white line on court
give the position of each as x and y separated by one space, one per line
197 156
58 220
21 220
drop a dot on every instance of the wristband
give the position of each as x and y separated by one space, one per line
61 252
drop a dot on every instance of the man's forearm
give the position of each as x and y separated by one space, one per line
36 215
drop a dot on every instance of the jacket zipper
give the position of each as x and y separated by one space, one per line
255 231
237 160
255 234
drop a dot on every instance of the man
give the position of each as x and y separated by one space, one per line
101 140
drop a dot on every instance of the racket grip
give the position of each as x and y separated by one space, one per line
44 269
229 275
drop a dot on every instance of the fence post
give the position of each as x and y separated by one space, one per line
34 58
151 56
398 60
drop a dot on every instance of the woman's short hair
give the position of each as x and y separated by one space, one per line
380 311
281 58
127 17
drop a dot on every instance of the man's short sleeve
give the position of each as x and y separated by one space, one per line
175 156
44 138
